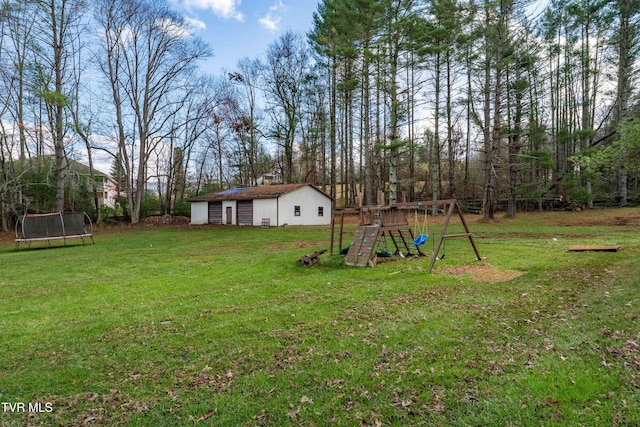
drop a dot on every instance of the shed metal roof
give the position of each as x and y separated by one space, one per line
234 190
251 193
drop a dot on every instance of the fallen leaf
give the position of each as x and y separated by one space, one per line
293 414
206 416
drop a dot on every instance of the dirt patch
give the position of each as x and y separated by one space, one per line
6 237
146 223
603 221
305 245
590 217
165 220
482 273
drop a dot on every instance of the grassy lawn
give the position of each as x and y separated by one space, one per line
221 326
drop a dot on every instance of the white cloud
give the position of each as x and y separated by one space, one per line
271 20
227 9
195 23
173 29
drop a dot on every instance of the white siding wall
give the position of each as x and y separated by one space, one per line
265 208
109 192
225 205
199 212
280 211
309 201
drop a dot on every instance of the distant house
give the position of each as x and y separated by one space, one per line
106 187
270 179
77 174
273 205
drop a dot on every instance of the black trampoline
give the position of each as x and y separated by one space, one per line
53 226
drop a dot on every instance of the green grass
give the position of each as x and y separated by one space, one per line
220 326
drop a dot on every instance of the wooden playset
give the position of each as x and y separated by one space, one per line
376 224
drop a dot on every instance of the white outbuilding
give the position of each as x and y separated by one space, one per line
269 205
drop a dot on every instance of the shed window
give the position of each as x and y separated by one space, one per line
320 210
296 210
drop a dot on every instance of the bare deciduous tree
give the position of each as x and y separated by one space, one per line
149 58
59 21
286 70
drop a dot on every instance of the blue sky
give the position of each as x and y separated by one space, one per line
238 28
244 28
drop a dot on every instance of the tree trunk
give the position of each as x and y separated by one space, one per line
488 197
332 128
451 148
368 150
394 128
627 35
622 186
435 160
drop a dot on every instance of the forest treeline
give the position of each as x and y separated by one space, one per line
381 101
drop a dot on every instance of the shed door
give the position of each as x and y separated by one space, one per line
229 215
245 212
215 213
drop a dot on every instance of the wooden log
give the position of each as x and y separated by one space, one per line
599 248
310 260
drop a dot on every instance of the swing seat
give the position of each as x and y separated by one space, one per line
384 254
420 240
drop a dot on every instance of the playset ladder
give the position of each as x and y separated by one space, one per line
403 240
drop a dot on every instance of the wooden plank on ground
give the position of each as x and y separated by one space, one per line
363 246
310 260
599 248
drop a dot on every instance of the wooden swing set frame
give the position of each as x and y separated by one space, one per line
392 220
